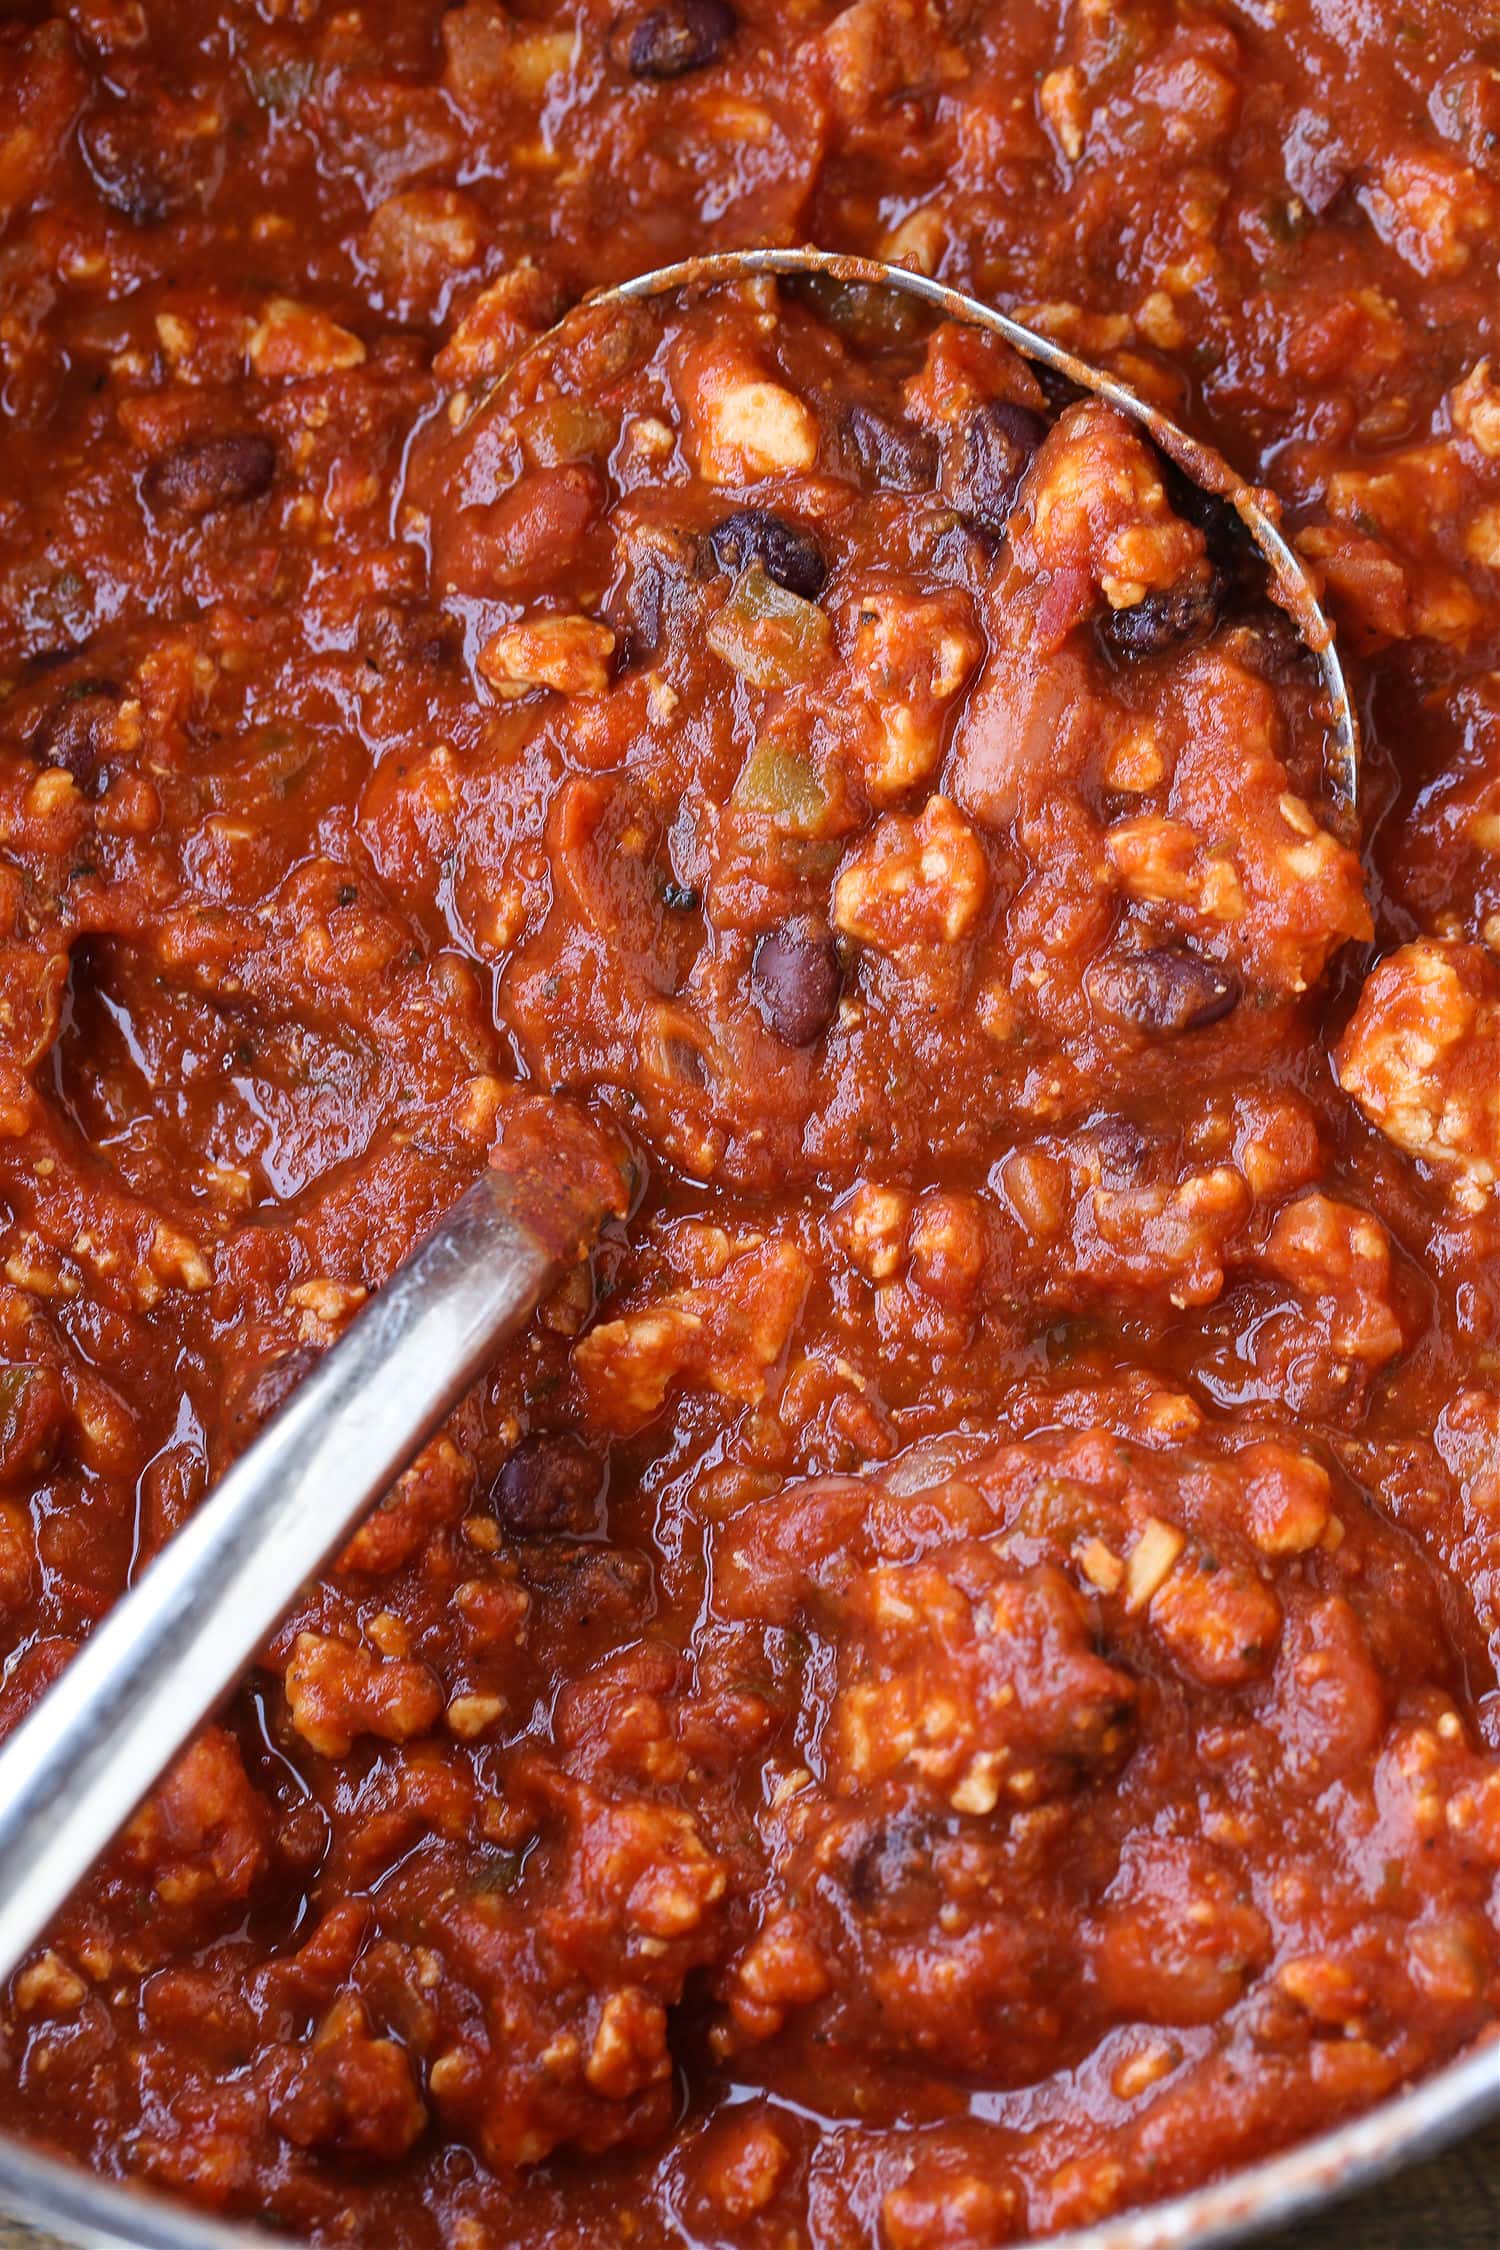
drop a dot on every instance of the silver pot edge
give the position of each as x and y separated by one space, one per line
96 2214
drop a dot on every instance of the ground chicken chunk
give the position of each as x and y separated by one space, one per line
293 342
554 1988
568 654
918 884
969 1683
201 1835
496 322
741 422
1474 405
908 660
345 2089
1433 210
876 47
1422 1059
1467 1438
336 1691
419 240
1340 1259
1097 504
726 1336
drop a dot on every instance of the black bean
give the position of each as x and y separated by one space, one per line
597 1584
262 1392
204 474
892 1866
784 550
680 36
996 446
1167 618
892 452
145 163
1223 529
78 733
552 1482
795 976
1057 389
1271 645
637 615
1161 989
402 636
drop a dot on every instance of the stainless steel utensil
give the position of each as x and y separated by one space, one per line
76 1768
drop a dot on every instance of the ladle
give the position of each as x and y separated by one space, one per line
77 1767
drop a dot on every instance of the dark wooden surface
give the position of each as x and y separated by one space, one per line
1453 2203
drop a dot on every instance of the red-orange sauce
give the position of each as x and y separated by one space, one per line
948 1686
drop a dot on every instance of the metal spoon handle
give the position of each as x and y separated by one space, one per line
81 1762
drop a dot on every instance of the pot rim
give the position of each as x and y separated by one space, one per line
97 2214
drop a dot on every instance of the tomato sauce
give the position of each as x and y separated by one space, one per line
949 1686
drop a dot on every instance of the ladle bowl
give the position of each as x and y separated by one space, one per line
1290 583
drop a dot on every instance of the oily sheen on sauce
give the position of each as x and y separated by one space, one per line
949 1687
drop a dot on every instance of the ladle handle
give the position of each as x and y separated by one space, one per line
81 1762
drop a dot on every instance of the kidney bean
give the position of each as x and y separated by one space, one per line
892 452
1167 618
532 532
680 36
683 1062
996 446
795 976
1163 989
79 731
784 550
552 1482
1124 1151
204 474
